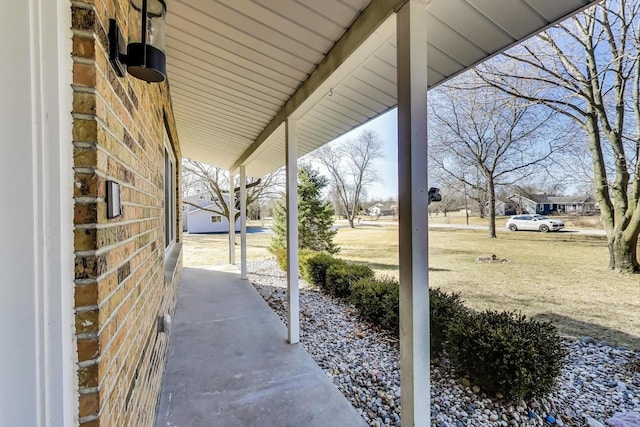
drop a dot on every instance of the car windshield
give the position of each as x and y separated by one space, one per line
541 217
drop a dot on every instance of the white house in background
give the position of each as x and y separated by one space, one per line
198 219
502 208
382 210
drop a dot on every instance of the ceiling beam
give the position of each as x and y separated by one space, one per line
372 17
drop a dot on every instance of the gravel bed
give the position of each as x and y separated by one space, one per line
597 382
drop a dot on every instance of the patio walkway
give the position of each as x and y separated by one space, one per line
230 365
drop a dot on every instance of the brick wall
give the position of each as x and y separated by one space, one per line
120 267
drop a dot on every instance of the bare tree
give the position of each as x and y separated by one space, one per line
202 178
588 69
503 139
350 169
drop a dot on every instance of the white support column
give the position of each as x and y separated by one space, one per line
243 223
232 222
412 183
293 293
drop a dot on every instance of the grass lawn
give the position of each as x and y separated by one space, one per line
560 277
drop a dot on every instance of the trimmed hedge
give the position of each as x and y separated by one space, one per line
314 268
506 352
443 309
281 257
340 278
303 255
377 301
500 351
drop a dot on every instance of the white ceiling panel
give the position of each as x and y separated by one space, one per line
238 68
468 22
455 44
517 18
234 40
549 9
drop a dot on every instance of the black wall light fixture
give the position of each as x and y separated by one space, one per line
143 56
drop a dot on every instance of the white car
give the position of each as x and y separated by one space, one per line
534 222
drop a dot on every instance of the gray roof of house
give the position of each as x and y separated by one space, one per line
558 200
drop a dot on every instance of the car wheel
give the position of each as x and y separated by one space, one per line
544 228
513 227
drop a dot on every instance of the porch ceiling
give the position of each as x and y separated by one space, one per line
238 68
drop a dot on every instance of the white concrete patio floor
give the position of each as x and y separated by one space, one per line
230 365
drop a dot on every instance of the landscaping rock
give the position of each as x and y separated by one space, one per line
590 422
624 419
491 259
363 363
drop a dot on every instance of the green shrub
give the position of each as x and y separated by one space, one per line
377 301
281 257
443 309
340 277
314 268
505 352
391 310
303 255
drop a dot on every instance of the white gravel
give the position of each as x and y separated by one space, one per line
362 362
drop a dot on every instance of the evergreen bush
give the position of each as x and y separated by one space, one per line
506 352
281 257
314 268
443 309
377 301
315 216
340 277
303 255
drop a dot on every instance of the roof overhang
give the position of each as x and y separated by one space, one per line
239 69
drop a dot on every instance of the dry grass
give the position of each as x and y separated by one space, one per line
213 249
558 277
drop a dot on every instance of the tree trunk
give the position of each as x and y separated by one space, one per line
492 208
623 254
622 251
466 208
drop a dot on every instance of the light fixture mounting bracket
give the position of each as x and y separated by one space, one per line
117 49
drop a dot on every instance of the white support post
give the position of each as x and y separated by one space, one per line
232 216
243 223
293 292
413 200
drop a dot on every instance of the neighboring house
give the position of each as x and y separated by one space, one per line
524 204
545 204
382 210
502 208
578 205
200 219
